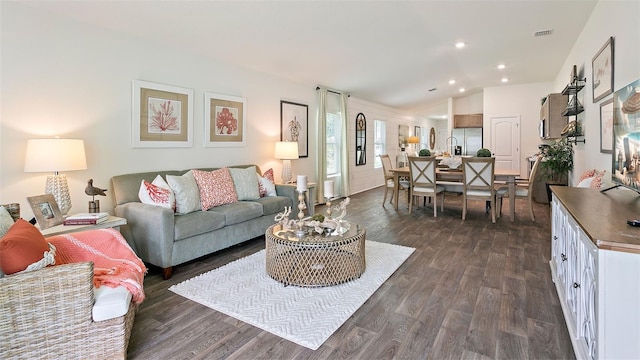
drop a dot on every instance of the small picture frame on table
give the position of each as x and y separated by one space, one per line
45 210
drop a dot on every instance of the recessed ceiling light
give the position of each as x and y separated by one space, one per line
461 89
504 79
502 66
452 81
460 44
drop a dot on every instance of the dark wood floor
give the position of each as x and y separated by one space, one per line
471 290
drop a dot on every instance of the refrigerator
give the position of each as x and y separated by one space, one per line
469 140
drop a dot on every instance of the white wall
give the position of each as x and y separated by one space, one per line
68 79
516 100
609 18
365 177
469 104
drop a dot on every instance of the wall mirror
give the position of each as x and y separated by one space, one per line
432 138
361 139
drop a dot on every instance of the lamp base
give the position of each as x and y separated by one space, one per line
58 187
286 171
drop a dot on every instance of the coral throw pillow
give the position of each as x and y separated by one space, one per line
157 193
266 184
21 246
597 180
216 187
587 174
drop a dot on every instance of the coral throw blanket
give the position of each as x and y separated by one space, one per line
114 263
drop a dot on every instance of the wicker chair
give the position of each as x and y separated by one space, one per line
47 314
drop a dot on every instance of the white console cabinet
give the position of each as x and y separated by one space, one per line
595 265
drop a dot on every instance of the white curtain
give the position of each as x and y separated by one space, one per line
321 160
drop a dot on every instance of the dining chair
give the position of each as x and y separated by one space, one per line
524 190
478 174
422 182
389 183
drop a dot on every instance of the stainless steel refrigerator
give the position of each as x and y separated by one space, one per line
470 139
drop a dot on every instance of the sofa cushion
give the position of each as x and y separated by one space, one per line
239 211
21 246
245 182
216 188
157 193
266 183
110 302
186 191
197 223
6 221
274 204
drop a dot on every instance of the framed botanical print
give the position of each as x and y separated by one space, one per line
602 66
224 120
46 210
162 115
294 125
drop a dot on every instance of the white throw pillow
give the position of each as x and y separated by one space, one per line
269 186
585 183
186 192
157 193
6 221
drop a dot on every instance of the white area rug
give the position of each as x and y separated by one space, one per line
306 316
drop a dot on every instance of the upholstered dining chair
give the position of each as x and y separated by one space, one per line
422 182
478 174
389 179
524 190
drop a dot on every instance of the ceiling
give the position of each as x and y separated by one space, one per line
388 52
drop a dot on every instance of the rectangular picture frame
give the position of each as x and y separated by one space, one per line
162 115
46 210
294 125
224 120
602 71
606 126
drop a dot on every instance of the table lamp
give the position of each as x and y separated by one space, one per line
413 140
286 151
44 155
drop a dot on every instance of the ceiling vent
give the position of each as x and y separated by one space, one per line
432 89
543 33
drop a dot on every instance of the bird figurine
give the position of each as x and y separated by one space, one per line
93 191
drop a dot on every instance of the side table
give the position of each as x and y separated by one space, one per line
112 222
309 200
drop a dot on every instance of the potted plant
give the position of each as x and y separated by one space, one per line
424 152
484 152
557 161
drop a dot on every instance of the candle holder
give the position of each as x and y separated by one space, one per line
328 203
301 206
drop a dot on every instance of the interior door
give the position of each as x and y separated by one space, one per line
505 142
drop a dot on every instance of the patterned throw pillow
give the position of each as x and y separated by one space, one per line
216 188
157 193
22 246
266 183
597 180
245 182
587 174
186 192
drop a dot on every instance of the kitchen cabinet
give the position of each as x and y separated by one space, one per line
595 262
551 119
467 121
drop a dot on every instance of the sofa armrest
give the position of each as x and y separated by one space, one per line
150 230
36 305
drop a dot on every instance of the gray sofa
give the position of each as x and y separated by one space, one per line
162 238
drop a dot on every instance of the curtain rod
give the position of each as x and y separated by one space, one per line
333 91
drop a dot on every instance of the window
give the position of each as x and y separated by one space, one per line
379 147
333 144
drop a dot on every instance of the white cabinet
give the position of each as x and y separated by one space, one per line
599 290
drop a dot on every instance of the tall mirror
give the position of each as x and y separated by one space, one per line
361 139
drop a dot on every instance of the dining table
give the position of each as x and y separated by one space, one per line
450 175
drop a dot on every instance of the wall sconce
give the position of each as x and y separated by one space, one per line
286 151
45 155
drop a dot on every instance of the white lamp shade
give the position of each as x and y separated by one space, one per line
44 155
286 150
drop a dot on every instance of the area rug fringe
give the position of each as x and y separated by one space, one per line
306 316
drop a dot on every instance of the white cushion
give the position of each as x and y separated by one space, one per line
157 193
110 302
6 221
585 183
269 186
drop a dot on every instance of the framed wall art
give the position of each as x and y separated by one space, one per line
294 125
224 120
46 210
602 67
606 126
162 115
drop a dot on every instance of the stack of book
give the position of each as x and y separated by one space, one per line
86 218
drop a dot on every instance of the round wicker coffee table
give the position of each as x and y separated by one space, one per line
315 260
